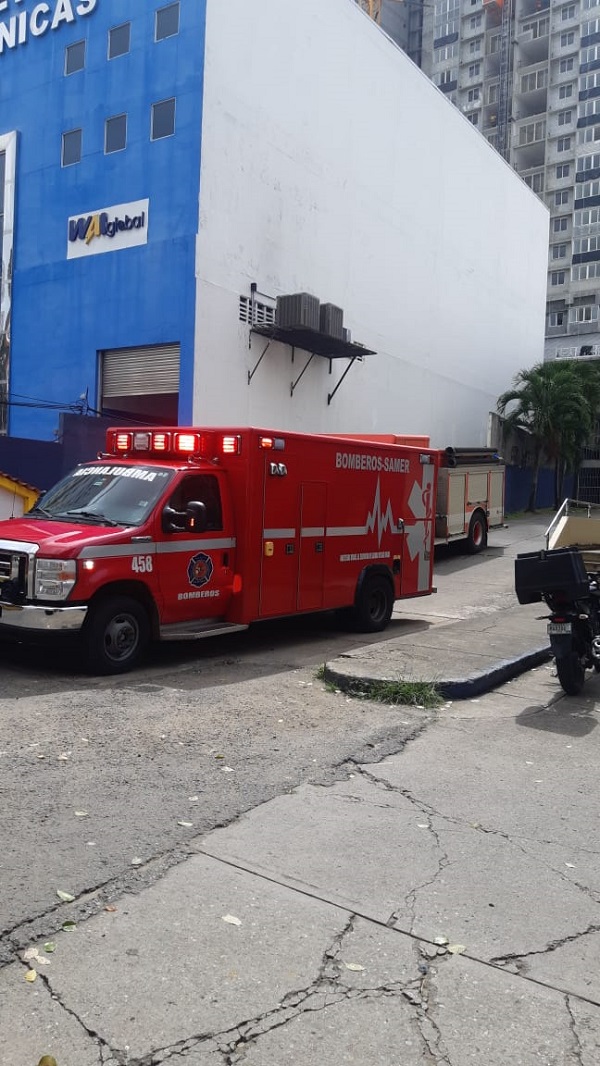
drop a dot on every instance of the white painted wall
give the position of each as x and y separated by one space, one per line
11 504
330 164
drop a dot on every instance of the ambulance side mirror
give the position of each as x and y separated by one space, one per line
196 516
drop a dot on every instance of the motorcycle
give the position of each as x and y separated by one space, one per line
559 578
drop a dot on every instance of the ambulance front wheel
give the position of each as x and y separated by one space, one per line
374 605
116 634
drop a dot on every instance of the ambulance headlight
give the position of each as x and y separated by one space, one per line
54 578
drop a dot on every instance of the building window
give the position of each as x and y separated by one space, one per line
567 39
562 170
115 134
475 21
590 216
559 251
71 148
533 131
585 313
474 70
565 118
474 118
585 271
586 244
119 40
163 119
561 197
556 318
565 92
535 181
74 57
557 277
447 76
492 94
473 95
592 133
475 46
560 225
167 22
568 12
566 65
563 144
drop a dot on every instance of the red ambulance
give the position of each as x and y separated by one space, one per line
183 533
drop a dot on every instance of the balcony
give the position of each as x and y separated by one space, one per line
533 38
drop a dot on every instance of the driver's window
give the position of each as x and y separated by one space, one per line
203 488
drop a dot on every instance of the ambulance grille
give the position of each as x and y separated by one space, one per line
13 576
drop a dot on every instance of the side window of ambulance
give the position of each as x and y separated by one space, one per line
199 487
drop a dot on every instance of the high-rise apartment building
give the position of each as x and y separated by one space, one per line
526 73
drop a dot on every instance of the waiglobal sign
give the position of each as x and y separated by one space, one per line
20 23
110 229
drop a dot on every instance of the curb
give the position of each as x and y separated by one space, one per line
459 688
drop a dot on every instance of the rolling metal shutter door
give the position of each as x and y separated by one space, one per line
140 371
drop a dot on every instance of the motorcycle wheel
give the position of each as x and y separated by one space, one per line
571 673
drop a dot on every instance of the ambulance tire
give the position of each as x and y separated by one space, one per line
477 535
374 605
116 634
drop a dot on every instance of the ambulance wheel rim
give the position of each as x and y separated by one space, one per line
121 637
377 605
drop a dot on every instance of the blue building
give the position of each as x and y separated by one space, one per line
100 129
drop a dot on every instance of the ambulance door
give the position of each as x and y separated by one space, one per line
280 541
313 504
195 567
417 557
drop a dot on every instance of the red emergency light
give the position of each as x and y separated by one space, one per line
187 442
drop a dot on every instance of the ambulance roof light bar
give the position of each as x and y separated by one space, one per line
186 442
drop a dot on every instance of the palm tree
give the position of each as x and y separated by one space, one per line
557 404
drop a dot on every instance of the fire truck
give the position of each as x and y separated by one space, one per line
183 533
470 491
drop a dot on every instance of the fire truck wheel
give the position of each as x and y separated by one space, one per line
477 536
374 605
116 634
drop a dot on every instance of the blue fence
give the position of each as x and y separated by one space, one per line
518 485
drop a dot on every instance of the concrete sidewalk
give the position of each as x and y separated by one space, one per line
438 907
463 659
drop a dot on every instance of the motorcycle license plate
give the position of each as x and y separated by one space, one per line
555 628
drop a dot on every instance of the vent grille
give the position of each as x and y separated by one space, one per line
264 315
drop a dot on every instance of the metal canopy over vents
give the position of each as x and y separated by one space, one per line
292 315
141 371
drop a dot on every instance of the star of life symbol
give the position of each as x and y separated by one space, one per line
419 536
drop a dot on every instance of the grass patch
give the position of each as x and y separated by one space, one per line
405 693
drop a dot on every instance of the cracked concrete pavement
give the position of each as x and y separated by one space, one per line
433 902
439 906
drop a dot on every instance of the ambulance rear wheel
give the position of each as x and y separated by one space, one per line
374 605
116 635
477 535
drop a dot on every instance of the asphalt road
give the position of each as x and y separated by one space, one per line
100 775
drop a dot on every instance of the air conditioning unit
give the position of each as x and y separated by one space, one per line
298 310
332 321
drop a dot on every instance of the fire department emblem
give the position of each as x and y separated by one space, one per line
200 568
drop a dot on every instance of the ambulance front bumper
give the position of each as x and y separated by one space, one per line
26 618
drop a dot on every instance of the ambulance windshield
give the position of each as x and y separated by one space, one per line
107 495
